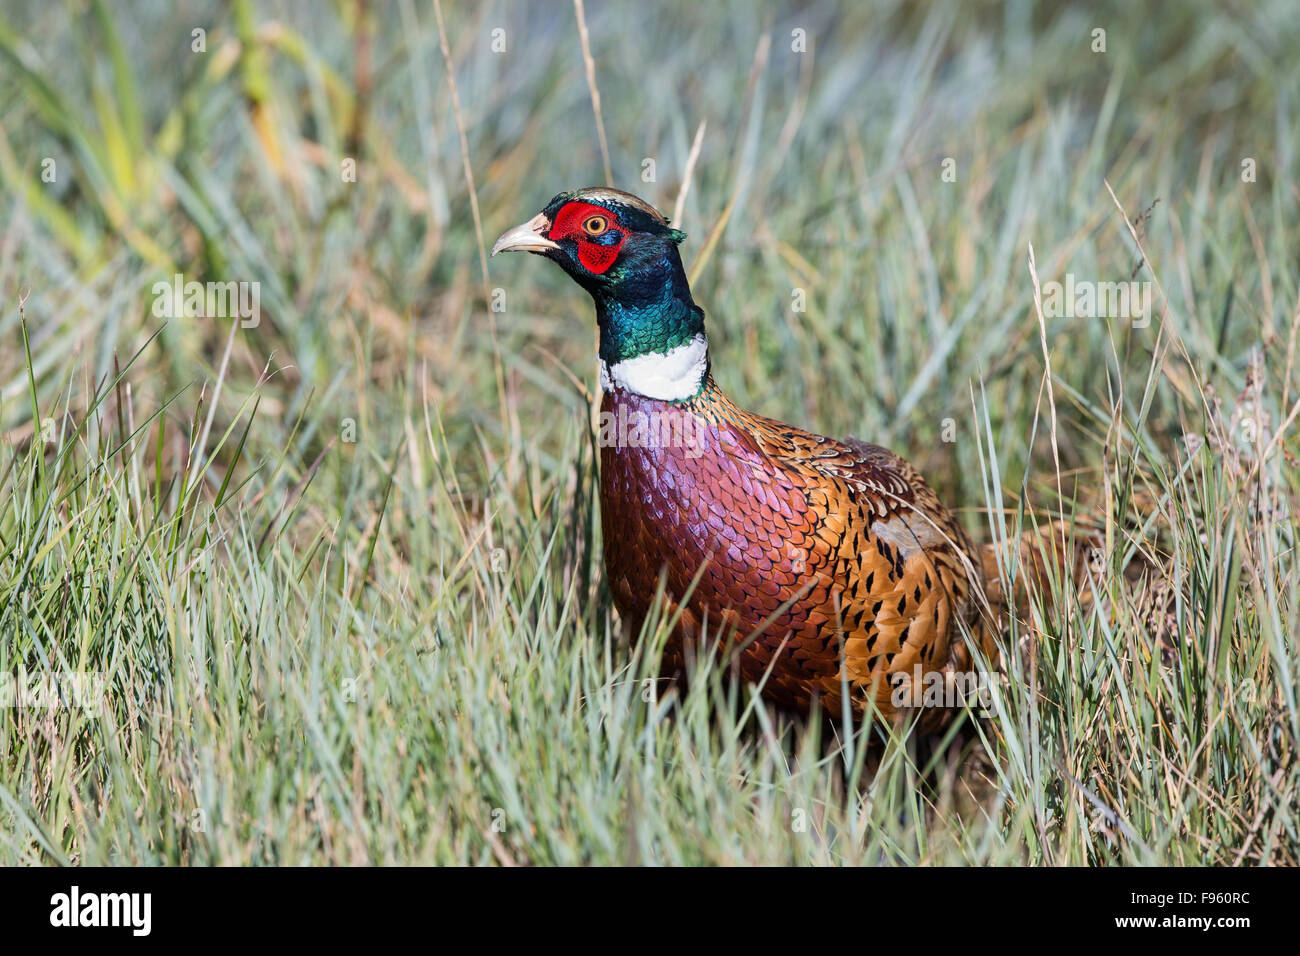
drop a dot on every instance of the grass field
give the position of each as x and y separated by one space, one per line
334 577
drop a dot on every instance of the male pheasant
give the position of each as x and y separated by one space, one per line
827 565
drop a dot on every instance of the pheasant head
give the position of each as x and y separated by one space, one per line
624 253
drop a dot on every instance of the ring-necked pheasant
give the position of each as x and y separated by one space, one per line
833 558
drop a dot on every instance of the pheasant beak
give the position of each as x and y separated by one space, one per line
530 237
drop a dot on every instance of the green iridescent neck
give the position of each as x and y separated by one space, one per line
631 330
647 308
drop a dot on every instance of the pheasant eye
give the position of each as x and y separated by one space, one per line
595 225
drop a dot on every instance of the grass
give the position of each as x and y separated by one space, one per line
339 573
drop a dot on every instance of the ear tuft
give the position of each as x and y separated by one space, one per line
677 236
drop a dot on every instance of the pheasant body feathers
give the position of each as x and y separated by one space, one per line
829 565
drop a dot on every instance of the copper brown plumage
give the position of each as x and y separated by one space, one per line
829 564
825 566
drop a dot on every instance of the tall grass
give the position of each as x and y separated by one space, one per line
339 573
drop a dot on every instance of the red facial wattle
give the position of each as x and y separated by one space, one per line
596 258
596 253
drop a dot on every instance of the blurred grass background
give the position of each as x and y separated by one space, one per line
340 571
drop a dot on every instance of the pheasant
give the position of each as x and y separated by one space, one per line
829 568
